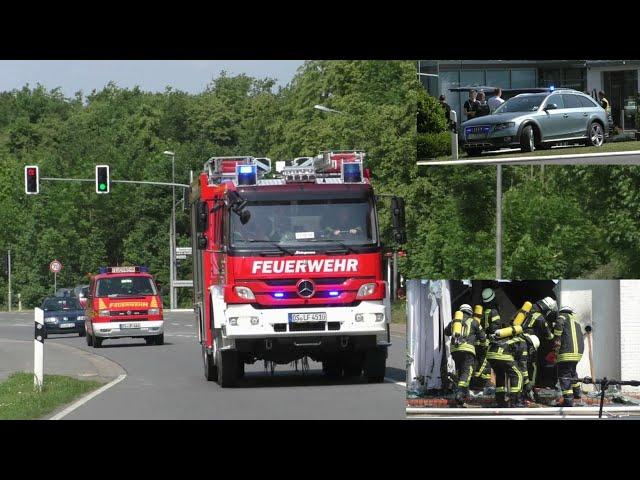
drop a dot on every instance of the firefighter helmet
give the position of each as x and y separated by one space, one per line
466 308
567 309
548 304
533 339
488 295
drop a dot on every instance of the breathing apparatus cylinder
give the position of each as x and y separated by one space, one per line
522 313
508 331
477 313
456 328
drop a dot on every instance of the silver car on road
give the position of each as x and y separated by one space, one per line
538 120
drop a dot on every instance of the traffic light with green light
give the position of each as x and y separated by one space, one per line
102 179
31 180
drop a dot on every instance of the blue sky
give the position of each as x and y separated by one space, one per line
152 75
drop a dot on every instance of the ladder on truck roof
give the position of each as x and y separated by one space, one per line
220 168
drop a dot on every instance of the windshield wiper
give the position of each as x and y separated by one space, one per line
274 244
343 245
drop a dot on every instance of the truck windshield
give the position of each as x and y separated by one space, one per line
302 223
526 103
125 287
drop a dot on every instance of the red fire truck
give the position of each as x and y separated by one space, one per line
290 266
124 302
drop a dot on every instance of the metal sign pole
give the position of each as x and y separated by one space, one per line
498 222
55 282
38 350
9 274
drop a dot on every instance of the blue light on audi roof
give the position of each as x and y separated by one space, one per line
246 174
334 293
352 172
552 87
278 295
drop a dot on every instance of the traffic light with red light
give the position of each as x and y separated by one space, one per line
31 180
102 179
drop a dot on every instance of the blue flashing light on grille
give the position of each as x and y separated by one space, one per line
352 172
278 295
334 293
246 174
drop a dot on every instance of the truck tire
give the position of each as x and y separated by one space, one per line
210 370
227 361
150 340
97 342
375 364
240 368
332 368
527 139
89 340
159 339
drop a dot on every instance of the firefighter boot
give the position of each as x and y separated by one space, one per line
460 397
501 400
518 400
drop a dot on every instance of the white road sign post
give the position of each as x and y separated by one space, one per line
55 266
38 350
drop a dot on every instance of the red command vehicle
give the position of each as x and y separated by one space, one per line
289 267
124 302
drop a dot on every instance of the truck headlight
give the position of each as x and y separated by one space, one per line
245 293
366 290
369 317
50 320
104 313
154 311
502 126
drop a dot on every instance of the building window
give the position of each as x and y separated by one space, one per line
525 78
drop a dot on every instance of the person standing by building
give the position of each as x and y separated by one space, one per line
483 107
465 332
495 101
445 106
471 106
569 344
604 102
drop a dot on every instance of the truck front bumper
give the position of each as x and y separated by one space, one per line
121 329
247 322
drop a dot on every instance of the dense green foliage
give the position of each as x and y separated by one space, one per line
558 222
129 129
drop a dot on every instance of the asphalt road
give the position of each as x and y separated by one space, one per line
166 382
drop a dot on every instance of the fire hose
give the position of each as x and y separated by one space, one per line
604 385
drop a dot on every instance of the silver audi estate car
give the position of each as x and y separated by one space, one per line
538 120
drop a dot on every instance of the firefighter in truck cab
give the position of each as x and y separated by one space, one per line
290 267
124 302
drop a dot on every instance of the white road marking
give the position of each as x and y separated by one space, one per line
188 325
86 398
174 323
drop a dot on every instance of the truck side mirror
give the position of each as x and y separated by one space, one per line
202 242
202 217
398 221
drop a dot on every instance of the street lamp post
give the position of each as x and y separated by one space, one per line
172 232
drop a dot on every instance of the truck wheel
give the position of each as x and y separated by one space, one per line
210 370
89 340
97 342
527 139
375 364
240 368
227 361
159 339
332 368
150 340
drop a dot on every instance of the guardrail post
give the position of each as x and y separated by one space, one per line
38 350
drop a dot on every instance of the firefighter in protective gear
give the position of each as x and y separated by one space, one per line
482 373
506 356
538 322
569 343
533 343
465 333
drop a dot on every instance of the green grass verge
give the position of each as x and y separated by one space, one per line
399 311
19 400
607 147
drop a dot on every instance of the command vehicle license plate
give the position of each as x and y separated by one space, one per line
67 325
125 326
308 317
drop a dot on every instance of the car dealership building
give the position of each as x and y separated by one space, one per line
619 79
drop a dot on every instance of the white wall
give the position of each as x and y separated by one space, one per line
594 76
630 330
602 298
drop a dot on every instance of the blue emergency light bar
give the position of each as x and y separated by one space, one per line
352 172
246 174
